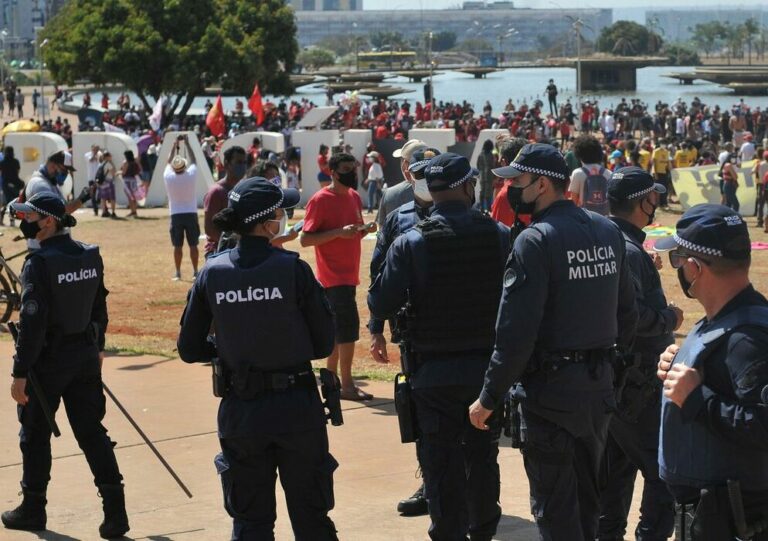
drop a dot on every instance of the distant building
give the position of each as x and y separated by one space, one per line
511 30
327 5
677 24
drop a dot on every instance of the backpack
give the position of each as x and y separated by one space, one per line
101 176
595 191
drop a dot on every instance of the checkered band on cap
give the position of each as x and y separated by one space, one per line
688 245
462 179
264 212
41 211
640 193
537 171
419 164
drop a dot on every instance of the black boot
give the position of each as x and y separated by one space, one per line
30 515
414 506
115 523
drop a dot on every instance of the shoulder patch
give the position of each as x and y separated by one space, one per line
30 308
514 276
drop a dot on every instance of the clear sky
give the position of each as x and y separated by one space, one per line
543 4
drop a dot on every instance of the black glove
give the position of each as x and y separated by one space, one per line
85 195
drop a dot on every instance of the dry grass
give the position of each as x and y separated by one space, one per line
145 305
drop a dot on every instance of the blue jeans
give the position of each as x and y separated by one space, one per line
373 194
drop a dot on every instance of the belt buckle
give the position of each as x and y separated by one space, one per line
281 382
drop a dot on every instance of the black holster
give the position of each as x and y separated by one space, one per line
713 518
220 378
513 421
330 386
641 390
405 408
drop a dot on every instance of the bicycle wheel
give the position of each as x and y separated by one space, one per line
8 299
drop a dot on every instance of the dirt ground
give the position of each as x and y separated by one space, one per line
145 305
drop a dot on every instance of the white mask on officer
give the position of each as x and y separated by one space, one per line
283 221
420 189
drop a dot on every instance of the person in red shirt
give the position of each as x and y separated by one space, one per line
501 211
334 225
324 176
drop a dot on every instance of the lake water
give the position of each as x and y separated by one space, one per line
528 84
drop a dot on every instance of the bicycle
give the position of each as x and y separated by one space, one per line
10 286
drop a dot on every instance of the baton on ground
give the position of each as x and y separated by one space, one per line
44 406
146 440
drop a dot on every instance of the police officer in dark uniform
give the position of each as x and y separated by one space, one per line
568 299
633 434
713 450
271 319
453 305
399 221
61 342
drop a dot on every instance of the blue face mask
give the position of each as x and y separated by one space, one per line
61 177
238 170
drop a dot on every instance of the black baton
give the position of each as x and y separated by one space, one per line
146 440
36 389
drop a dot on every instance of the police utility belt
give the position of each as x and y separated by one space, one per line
249 384
549 361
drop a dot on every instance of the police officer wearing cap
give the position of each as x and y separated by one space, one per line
271 318
713 449
453 307
400 221
568 299
62 323
633 433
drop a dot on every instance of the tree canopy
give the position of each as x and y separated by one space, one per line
627 38
176 47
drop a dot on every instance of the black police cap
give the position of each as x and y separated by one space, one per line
632 182
448 171
420 159
710 230
44 203
536 158
255 197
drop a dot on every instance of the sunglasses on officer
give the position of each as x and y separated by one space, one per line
678 259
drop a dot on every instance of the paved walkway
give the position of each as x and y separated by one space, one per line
172 402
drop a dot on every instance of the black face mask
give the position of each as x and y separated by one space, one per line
348 179
515 198
652 215
685 285
29 229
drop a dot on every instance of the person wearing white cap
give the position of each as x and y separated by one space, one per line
181 183
402 193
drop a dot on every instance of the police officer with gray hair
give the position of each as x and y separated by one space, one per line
59 351
568 300
633 434
452 306
713 449
271 319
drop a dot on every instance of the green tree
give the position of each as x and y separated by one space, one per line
442 41
750 30
680 55
173 47
387 39
628 38
705 35
472 45
316 57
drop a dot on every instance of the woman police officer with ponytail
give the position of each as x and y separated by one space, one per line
271 319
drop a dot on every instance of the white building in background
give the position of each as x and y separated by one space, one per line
327 5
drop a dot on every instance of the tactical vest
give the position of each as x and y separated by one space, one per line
407 217
463 287
690 454
73 281
256 312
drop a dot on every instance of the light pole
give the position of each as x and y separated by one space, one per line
431 87
3 35
577 25
41 104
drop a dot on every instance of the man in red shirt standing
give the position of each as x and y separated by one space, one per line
333 224
501 210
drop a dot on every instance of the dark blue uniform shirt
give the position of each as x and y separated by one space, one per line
397 222
402 272
567 287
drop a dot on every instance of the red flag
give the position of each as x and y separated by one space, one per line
255 105
215 119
